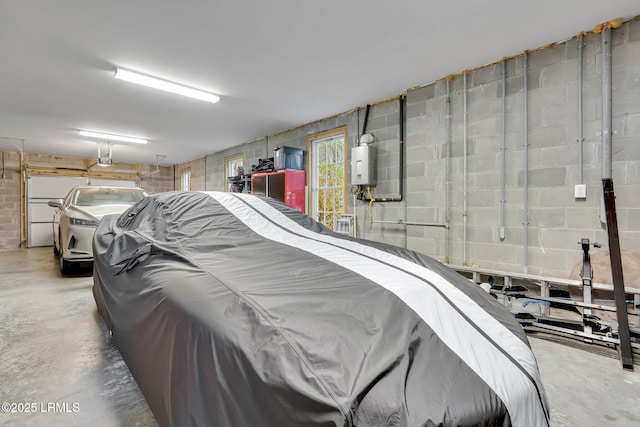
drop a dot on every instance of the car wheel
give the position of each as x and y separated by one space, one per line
65 266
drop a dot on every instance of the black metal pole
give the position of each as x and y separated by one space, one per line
626 356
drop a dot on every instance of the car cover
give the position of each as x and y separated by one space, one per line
236 310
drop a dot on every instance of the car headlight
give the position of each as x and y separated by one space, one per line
85 222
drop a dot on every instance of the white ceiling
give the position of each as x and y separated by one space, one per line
276 64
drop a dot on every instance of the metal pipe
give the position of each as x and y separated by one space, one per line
355 218
606 104
526 167
447 172
366 119
502 151
464 171
580 113
401 222
400 195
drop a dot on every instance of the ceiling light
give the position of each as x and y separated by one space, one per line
111 137
132 76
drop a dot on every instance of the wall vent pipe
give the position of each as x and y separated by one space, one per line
580 139
364 124
464 171
503 148
447 173
525 208
606 104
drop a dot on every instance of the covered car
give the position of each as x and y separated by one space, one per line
76 218
236 310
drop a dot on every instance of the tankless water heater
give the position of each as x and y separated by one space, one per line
364 164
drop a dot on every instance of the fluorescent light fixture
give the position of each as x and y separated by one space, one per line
111 137
141 79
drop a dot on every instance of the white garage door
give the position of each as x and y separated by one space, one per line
41 189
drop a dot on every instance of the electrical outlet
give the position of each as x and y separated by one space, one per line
580 191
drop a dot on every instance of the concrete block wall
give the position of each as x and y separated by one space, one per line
556 220
262 148
216 179
10 201
157 179
434 171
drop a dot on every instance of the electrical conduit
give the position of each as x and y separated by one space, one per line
464 172
502 151
525 257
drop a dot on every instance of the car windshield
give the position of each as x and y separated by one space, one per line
108 196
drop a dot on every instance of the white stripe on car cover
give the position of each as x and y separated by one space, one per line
504 377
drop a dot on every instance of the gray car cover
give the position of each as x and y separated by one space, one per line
236 310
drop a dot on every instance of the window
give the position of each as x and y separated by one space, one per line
186 179
233 172
328 185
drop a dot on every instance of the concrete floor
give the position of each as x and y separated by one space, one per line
56 356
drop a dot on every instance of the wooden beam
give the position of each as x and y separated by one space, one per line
83 174
23 200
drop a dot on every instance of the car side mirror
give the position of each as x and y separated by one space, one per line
55 203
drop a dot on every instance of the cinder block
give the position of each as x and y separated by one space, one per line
429 247
482 161
485 108
386 133
438 106
558 74
549 95
486 74
478 198
543 59
627 196
546 261
420 183
480 128
547 217
630 241
583 218
634 30
490 144
421 94
415 153
383 109
485 216
632 128
480 253
416 109
551 177
416 170
563 155
626 101
487 91
547 136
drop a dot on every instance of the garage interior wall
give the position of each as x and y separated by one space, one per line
153 178
556 219
435 130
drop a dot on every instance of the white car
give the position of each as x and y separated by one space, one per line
77 216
